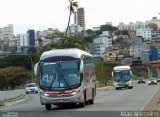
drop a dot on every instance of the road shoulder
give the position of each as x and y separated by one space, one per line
154 103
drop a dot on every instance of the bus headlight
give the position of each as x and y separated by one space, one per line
129 82
115 83
75 92
43 93
46 94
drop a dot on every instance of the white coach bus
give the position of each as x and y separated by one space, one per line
66 76
122 77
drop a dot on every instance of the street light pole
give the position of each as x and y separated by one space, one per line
31 66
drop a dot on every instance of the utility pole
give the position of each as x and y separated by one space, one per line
31 66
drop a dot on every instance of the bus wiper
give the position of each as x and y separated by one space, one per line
63 77
50 86
65 81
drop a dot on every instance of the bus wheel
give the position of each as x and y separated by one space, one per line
131 87
48 106
117 88
92 100
83 104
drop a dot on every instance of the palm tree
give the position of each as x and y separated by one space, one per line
73 5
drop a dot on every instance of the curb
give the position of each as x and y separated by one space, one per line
10 100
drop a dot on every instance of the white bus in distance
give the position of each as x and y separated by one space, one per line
122 77
66 76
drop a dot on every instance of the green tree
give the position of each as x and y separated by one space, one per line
73 5
125 32
118 32
89 31
75 41
40 41
71 41
118 40
108 28
89 39
14 76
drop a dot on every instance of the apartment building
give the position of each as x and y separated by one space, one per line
96 28
74 29
47 36
145 33
132 26
101 43
6 32
31 37
81 17
138 49
22 40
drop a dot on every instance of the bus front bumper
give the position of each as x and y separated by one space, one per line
61 100
122 84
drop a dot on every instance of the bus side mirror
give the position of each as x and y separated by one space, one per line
112 74
81 67
36 68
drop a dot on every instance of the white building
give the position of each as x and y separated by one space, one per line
47 36
6 32
101 43
96 28
74 28
109 23
145 33
131 26
22 40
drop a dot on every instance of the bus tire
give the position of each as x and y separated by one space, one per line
117 88
130 87
92 100
83 104
48 106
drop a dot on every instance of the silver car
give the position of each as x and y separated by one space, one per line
31 88
152 81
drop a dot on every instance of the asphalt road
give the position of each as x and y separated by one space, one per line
109 102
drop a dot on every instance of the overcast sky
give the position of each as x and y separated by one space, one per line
44 14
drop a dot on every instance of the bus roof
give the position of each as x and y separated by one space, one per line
122 67
73 52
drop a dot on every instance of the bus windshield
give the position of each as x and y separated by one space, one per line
58 75
121 75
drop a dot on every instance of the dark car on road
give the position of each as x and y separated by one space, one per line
141 80
152 81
